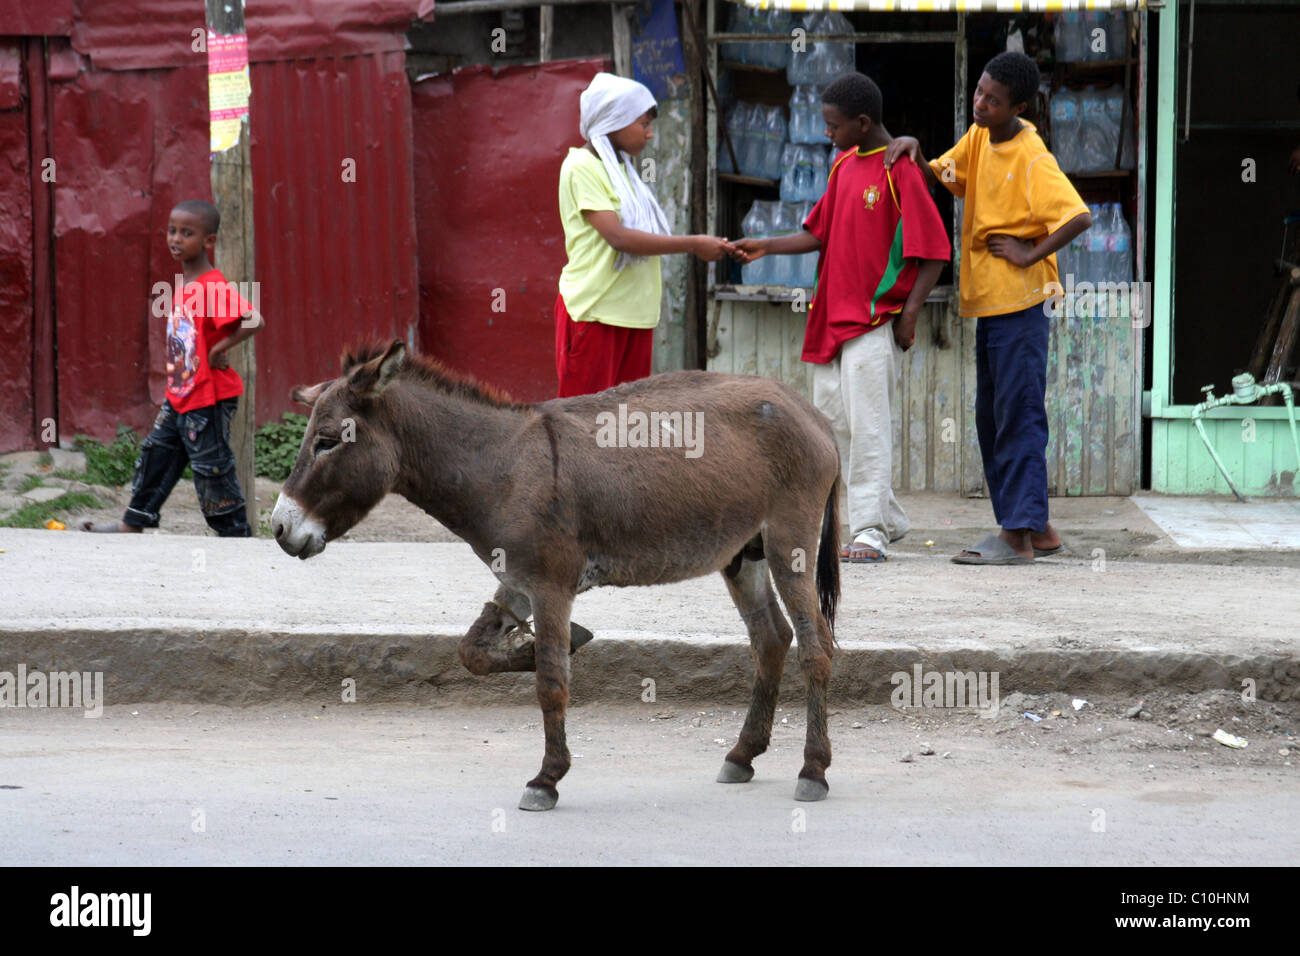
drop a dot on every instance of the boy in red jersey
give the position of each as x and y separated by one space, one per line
207 318
883 246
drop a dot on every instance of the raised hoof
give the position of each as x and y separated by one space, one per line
535 798
735 773
578 635
810 791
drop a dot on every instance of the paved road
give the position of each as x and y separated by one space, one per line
405 785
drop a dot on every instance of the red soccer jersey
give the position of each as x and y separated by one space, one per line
867 266
205 311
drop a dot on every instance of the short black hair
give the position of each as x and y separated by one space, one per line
855 94
1018 73
207 213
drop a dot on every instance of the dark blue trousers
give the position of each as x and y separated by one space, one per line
201 439
1011 414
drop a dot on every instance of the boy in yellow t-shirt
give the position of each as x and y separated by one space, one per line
1020 209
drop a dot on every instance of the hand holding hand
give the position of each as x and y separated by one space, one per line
1018 252
710 248
746 251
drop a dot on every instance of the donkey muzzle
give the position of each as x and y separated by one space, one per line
295 532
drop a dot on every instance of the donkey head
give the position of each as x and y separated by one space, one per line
349 458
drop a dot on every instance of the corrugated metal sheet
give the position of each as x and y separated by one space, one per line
33 18
488 149
148 34
16 293
127 147
336 259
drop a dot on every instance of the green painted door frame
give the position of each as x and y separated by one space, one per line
1253 441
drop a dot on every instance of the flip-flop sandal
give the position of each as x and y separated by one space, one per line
992 550
1048 552
847 550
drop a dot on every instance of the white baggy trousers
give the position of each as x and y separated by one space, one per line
856 390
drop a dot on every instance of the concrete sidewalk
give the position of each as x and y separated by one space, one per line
172 617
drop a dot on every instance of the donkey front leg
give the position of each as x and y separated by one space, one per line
493 645
490 646
551 621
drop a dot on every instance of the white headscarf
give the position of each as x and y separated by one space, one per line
607 105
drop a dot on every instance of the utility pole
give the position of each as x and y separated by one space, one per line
232 194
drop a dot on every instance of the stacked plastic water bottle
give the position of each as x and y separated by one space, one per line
822 61
806 123
764 219
1086 129
757 133
745 20
1104 253
805 172
1077 39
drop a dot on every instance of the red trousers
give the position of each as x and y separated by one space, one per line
591 356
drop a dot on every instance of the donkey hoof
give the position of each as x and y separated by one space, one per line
810 791
578 635
535 798
735 773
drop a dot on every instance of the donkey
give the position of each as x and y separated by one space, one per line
581 492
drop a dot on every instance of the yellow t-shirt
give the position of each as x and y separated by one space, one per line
1015 189
592 290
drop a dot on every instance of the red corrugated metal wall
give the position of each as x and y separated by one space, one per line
336 258
488 149
127 147
16 293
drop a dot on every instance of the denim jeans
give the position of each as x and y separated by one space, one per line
201 439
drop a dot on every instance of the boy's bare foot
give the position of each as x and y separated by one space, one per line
113 527
1045 540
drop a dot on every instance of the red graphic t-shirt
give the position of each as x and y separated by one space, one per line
873 224
204 311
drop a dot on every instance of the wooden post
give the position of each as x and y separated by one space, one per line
622 26
232 194
546 30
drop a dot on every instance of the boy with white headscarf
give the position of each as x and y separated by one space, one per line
614 232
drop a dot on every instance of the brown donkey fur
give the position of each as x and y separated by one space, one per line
573 493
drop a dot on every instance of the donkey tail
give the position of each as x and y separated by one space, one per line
828 558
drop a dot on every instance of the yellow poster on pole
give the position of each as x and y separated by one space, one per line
228 88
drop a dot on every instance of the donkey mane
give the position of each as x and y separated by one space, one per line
429 371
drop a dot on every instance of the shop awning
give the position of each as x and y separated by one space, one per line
945 6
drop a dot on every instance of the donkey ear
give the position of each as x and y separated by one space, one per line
373 377
307 394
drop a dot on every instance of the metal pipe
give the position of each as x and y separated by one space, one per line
1245 391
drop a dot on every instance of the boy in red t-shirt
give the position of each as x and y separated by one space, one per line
883 246
207 318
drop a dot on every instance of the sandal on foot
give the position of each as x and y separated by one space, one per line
1048 552
865 554
992 550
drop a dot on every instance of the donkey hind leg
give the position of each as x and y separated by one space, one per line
799 592
769 636
493 645
551 613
